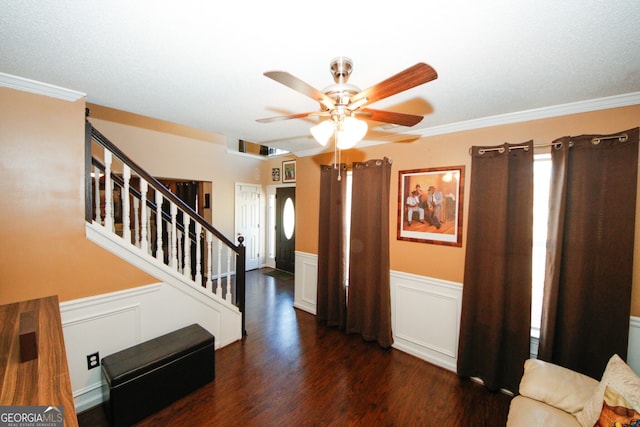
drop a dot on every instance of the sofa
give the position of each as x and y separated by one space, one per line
550 395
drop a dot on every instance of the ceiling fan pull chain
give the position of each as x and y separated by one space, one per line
336 153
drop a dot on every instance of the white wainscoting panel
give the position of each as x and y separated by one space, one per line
306 282
633 348
425 317
633 352
111 322
425 314
86 335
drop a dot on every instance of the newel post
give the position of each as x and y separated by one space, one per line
240 281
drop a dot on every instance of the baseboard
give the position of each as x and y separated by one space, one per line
88 397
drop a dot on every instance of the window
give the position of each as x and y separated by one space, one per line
288 218
541 185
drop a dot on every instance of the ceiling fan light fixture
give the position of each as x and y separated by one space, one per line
357 104
350 132
342 101
323 131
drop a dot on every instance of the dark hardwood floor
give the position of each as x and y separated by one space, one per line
290 371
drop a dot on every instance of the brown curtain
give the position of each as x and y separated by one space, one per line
587 295
496 299
331 292
369 300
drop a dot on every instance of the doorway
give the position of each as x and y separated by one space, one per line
285 236
248 221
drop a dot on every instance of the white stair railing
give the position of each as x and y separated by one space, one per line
131 204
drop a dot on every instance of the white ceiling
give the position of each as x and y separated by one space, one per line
200 63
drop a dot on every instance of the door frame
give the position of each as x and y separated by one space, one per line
270 233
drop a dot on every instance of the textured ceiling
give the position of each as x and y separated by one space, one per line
200 63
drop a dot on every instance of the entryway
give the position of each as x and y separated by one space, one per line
285 238
248 221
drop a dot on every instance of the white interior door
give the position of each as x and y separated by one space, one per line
248 221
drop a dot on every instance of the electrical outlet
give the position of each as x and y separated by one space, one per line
93 360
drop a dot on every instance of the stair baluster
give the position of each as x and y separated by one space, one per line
126 226
174 237
198 276
209 258
163 245
96 181
186 246
144 242
108 191
219 276
159 227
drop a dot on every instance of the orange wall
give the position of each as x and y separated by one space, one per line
44 250
445 262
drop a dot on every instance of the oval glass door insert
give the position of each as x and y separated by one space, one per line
288 218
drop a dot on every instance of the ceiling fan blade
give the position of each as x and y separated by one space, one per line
411 77
402 119
292 116
296 84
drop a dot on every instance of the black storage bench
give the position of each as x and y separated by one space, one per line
144 378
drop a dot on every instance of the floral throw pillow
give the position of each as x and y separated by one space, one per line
617 412
618 376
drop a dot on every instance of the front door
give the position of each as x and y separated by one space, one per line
285 228
248 222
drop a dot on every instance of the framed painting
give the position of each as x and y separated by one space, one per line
289 171
430 205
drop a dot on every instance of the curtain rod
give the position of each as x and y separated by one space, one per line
621 138
366 162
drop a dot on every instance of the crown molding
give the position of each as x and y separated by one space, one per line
39 88
597 104
615 101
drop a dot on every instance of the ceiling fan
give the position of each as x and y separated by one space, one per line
343 102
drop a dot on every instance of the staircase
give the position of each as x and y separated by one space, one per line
133 215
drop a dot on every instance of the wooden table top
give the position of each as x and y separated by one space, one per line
43 381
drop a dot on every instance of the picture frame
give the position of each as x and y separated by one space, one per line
288 171
275 174
429 217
